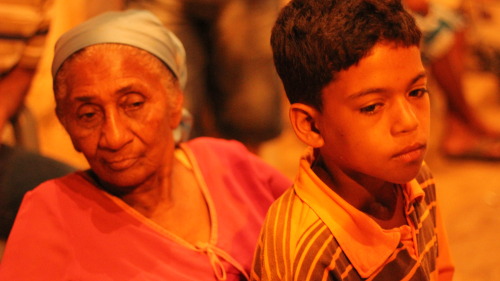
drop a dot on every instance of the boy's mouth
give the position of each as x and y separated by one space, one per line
411 153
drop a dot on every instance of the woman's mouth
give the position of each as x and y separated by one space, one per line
121 164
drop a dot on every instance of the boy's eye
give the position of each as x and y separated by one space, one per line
418 92
370 109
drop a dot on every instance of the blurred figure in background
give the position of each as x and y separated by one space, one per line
443 49
234 91
23 30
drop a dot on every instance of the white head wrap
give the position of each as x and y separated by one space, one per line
137 28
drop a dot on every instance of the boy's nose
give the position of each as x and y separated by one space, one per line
115 132
405 118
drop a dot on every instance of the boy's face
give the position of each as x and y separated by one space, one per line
376 117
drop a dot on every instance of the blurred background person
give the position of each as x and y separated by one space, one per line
24 25
465 135
234 91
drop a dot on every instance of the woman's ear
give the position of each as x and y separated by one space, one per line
176 113
304 120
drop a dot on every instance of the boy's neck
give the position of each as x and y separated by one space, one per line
381 200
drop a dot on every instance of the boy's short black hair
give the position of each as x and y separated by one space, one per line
313 40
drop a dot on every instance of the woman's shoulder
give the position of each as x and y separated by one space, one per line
57 187
217 144
232 159
214 148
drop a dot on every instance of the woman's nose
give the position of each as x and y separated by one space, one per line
115 132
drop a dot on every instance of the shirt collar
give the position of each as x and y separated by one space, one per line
363 241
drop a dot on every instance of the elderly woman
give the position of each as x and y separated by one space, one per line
147 209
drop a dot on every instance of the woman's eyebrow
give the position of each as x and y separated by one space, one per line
89 97
124 89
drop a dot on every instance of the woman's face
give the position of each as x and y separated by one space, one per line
119 106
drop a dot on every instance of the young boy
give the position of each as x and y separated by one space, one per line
363 205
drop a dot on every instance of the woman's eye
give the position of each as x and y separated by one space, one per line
133 101
87 113
136 104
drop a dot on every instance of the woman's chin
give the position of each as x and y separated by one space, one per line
120 182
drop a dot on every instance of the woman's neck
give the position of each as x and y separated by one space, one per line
175 202
144 197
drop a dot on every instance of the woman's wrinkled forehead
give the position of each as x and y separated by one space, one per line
94 55
136 28
102 59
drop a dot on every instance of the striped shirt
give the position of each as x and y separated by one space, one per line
311 233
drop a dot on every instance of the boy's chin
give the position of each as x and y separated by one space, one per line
405 175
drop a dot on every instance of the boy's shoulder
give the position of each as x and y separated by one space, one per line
427 183
282 209
289 215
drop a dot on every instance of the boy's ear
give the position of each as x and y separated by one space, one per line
304 120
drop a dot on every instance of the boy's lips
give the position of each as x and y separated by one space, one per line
411 153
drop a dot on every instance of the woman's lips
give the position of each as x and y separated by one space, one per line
119 165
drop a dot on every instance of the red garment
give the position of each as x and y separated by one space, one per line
67 229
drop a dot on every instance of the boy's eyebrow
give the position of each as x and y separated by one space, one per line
364 93
418 77
379 90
